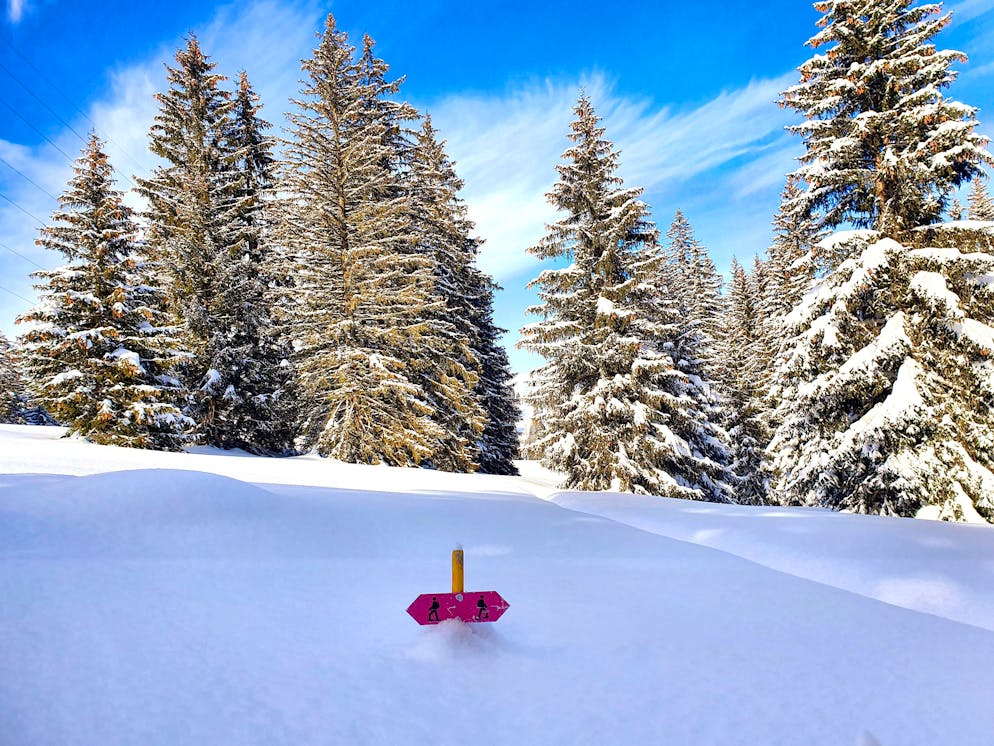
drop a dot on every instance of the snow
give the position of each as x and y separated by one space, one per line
977 332
903 407
211 378
963 225
932 285
836 239
64 376
217 597
129 356
892 340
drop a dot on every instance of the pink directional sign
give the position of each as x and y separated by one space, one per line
472 606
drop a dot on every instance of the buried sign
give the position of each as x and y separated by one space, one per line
472 607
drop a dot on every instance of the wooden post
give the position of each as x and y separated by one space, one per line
457 571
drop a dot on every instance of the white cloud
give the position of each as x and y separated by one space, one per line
265 37
15 10
507 146
967 10
722 161
766 170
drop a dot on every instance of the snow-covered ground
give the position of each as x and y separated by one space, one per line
213 598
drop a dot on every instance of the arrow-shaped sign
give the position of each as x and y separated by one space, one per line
475 606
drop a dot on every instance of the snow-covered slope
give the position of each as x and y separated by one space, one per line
221 599
940 568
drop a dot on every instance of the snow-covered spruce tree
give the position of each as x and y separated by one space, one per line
981 205
883 385
99 353
693 286
791 259
444 232
499 442
744 362
884 148
205 229
441 233
686 300
191 197
696 286
609 395
794 258
364 295
248 347
889 387
761 280
13 387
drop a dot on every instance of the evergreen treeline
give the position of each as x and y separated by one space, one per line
624 399
320 291
315 292
851 370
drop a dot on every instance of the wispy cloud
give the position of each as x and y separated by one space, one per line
723 161
967 10
506 147
764 171
15 10
267 38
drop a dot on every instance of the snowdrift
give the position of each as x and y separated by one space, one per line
143 603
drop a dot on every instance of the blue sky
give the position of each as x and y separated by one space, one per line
686 91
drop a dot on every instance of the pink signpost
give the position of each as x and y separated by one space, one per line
474 606
432 608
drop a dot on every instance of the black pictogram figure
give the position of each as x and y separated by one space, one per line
433 611
483 612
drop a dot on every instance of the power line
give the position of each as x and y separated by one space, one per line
55 114
39 132
28 179
77 109
16 295
17 253
33 217
41 101
69 159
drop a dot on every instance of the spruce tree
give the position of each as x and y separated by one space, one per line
99 353
696 285
206 229
687 300
360 309
887 390
191 195
884 148
609 394
13 387
259 383
883 383
793 259
486 416
499 441
441 231
981 205
744 358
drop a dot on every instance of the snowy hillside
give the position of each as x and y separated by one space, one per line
212 598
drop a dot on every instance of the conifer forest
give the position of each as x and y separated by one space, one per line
313 286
